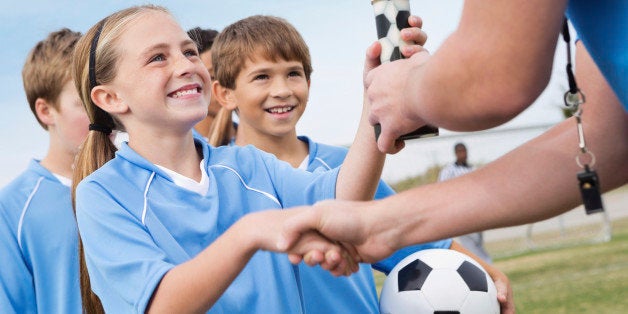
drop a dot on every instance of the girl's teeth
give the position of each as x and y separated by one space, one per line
185 92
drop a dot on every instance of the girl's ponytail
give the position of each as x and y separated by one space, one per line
221 130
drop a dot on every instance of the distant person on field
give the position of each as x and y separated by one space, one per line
39 270
473 241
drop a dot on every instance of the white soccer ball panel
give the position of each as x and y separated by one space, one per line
445 290
394 35
402 5
480 303
379 7
391 12
387 49
406 302
442 258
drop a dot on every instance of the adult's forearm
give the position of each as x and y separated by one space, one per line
492 67
533 182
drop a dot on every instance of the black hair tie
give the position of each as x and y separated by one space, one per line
100 128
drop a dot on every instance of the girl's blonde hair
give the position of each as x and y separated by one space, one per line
98 147
221 129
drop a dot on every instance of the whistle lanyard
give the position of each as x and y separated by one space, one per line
588 180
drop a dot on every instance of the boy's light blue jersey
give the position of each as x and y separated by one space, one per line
324 293
603 28
136 224
38 245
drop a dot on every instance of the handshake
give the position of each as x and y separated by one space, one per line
338 235
332 234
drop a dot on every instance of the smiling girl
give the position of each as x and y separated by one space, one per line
169 223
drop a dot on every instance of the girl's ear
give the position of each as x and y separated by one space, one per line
224 96
44 109
105 98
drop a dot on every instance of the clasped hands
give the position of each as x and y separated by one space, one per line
342 236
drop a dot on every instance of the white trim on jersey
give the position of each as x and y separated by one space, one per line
323 162
150 179
270 196
28 201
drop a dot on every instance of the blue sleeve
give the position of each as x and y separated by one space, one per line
603 28
125 265
16 289
383 190
49 239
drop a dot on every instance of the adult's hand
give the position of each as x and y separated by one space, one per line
393 105
370 238
416 38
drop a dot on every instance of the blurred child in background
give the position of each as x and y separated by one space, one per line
38 234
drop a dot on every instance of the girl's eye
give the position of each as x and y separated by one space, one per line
190 53
157 58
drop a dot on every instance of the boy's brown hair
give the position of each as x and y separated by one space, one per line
257 36
47 68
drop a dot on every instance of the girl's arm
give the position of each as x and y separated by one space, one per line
194 286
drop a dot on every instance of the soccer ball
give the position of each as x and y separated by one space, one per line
438 281
390 17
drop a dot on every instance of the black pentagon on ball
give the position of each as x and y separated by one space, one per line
382 24
396 54
402 19
412 276
473 276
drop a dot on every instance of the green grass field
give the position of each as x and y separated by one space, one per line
584 278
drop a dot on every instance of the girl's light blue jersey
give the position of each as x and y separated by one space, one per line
38 245
136 224
603 28
324 293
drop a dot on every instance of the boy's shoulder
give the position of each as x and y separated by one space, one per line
332 155
26 181
237 156
33 187
318 146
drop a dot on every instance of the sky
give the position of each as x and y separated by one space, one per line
337 32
